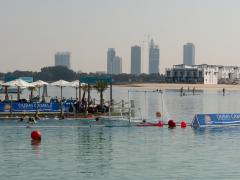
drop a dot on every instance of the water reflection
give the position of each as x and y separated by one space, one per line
94 150
217 131
35 144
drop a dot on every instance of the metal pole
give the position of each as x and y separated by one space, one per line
6 93
61 103
88 99
39 93
129 105
11 109
76 93
61 93
111 94
162 105
79 95
18 93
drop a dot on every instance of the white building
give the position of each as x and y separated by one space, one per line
184 74
210 73
62 59
206 74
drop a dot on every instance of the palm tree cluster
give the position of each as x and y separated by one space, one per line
100 87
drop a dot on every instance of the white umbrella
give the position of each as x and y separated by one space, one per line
61 84
75 84
39 84
17 83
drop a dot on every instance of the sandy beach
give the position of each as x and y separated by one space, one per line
185 86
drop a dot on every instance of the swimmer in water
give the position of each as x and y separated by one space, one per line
32 120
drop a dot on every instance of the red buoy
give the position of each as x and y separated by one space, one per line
171 124
36 135
183 124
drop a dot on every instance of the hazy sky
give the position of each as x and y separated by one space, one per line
31 31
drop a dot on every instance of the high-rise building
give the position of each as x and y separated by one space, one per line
117 65
153 58
110 57
136 60
62 59
189 54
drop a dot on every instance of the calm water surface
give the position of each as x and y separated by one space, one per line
71 152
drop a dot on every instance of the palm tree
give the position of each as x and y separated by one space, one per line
101 86
83 96
89 88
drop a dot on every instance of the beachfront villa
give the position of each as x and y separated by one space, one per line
204 73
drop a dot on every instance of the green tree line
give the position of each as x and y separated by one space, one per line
55 73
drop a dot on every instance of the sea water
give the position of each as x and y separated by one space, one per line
71 151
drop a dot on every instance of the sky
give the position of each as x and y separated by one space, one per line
32 31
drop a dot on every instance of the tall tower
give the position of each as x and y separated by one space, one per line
62 59
110 57
153 58
189 54
117 65
136 60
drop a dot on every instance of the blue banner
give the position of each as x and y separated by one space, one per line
30 107
217 119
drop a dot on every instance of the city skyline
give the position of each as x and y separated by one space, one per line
32 31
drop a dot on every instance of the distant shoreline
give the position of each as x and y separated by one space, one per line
178 86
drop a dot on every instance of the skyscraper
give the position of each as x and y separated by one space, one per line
153 58
136 60
189 54
117 65
62 59
110 57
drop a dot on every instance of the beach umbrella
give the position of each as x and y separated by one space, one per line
38 84
19 83
5 90
61 84
75 84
